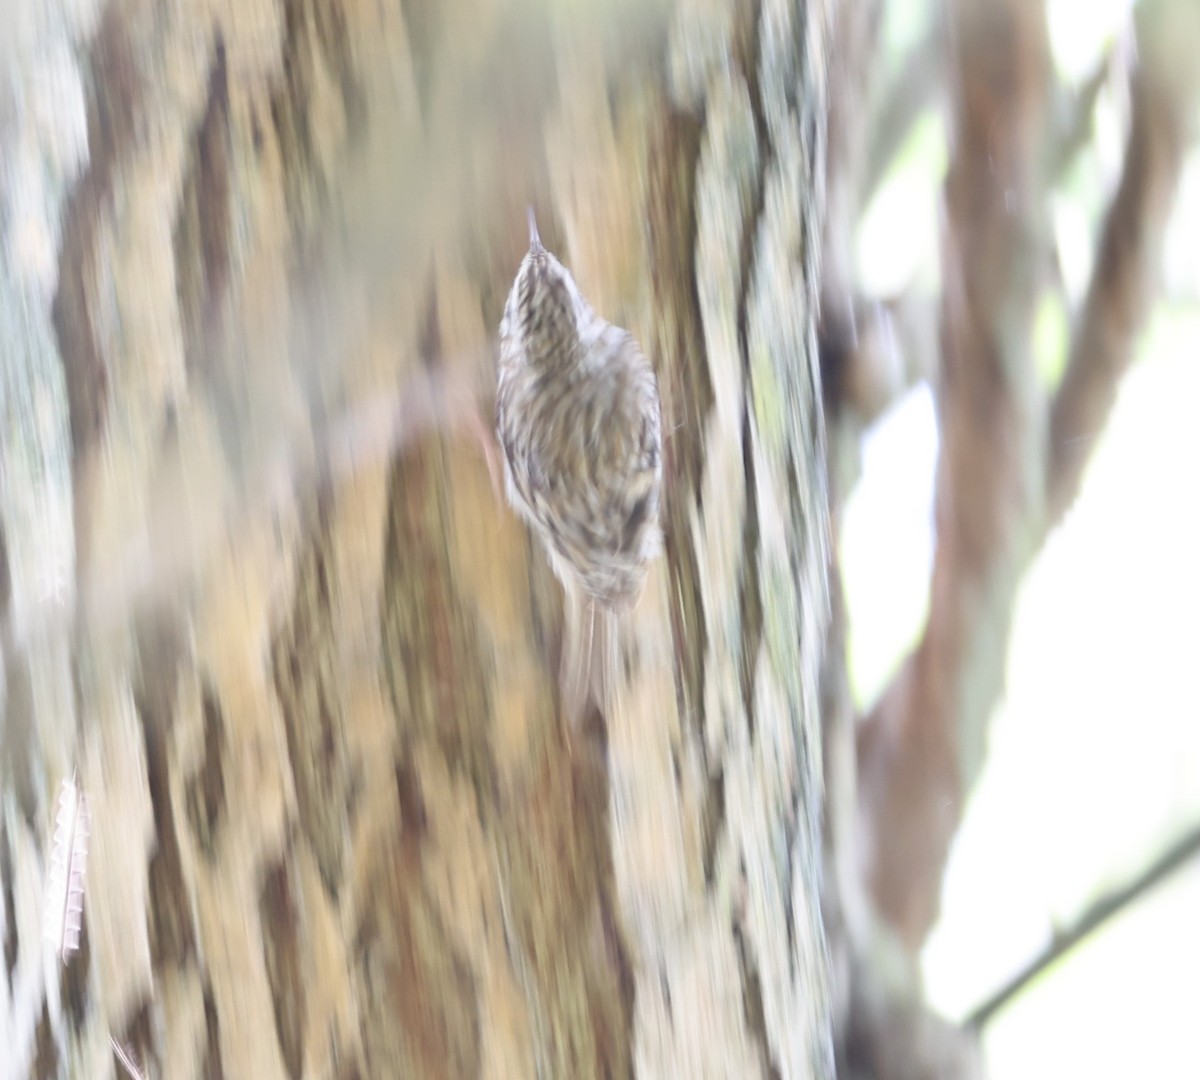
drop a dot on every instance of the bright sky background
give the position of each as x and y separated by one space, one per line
1094 761
1094 754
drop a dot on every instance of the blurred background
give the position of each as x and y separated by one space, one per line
1075 717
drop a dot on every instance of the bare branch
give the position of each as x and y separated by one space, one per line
1164 88
1109 905
897 347
921 746
998 487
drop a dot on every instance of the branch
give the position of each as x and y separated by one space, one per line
883 347
1113 903
1163 91
923 745
919 749
895 347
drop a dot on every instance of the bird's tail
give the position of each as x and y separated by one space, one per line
606 660
590 658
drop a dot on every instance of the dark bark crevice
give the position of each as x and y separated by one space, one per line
202 240
306 689
115 110
205 791
752 1003
282 937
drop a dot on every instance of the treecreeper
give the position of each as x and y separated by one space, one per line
579 418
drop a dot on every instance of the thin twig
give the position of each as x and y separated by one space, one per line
921 747
1124 281
1092 919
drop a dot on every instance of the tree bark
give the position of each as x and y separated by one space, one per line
258 591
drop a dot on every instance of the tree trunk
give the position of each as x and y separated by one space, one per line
258 591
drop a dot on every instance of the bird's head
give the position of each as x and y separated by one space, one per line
544 306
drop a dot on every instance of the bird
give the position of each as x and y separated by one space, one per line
579 420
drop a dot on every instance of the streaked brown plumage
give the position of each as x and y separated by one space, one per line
578 416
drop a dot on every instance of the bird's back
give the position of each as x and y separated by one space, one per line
583 451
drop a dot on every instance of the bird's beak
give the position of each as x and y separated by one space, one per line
535 241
